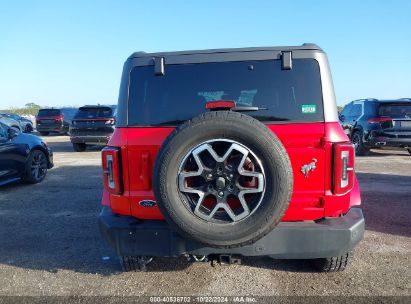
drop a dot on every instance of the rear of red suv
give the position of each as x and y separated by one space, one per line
219 154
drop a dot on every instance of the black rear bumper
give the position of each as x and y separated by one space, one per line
52 128
289 240
90 139
390 142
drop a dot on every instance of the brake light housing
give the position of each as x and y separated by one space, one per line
220 105
111 162
110 122
379 119
343 168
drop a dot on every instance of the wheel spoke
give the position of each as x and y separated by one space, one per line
226 207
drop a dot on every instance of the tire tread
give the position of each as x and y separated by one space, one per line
204 118
333 264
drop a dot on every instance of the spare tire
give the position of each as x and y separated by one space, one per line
223 179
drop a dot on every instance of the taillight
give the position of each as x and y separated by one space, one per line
343 168
112 169
220 104
379 119
110 122
61 118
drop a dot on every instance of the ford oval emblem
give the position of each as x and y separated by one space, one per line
147 203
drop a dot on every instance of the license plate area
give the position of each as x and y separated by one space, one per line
405 124
402 123
47 121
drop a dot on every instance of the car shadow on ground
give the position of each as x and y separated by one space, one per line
175 264
64 145
387 152
67 147
386 202
52 226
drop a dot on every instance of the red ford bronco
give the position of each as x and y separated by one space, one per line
219 154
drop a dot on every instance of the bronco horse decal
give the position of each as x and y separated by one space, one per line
305 169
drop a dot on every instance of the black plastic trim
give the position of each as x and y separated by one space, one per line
159 66
286 61
289 240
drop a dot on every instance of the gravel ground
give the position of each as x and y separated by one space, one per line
50 244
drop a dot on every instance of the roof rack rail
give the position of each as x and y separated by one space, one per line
309 44
366 99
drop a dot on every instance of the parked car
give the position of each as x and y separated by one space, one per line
372 123
26 125
23 157
54 120
8 121
219 154
92 125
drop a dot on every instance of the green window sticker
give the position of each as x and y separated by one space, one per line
308 108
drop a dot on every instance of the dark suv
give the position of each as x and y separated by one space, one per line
54 120
372 123
92 125
219 154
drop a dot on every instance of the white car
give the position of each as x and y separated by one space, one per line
26 125
4 118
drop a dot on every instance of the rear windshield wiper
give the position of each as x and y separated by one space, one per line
247 108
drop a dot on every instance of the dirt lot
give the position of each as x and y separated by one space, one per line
50 244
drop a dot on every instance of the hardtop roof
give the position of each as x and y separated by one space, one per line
305 46
400 100
97 106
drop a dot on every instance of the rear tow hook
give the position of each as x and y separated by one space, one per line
225 259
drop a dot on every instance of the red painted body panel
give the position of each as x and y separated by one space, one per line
120 203
312 196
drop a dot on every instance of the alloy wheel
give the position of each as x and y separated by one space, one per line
222 180
38 167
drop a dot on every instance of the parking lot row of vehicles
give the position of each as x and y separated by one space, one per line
27 157
87 125
369 123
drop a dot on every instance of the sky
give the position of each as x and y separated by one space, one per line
71 53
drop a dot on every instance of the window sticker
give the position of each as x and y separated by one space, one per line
211 96
247 97
308 108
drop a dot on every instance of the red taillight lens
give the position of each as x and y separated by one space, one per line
112 169
343 168
110 122
220 104
61 117
379 119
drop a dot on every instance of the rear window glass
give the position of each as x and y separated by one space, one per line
182 93
103 112
49 113
395 110
68 112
